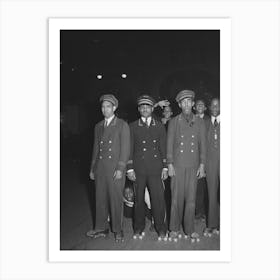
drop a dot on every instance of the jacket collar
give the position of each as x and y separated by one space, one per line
191 121
141 123
112 123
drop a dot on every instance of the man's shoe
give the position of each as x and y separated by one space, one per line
97 233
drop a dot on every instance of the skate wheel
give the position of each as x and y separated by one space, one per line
169 238
197 240
141 237
180 235
175 239
159 238
205 234
186 237
165 238
193 240
143 233
134 237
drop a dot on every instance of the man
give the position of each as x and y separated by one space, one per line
167 114
110 155
201 193
186 154
147 165
213 168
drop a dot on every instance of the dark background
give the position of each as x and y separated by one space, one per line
156 62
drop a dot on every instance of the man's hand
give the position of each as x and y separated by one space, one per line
117 175
162 103
131 175
164 174
201 171
91 175
171 170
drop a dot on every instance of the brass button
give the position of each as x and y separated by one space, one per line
154 141
110 149
192 151
144 141
182 143
192 136
155 155
181 151
110 141
100 157
101 142
110 157
144 149
192 143
100 150
182 136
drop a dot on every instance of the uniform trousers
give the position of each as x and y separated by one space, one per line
109 201
213 185
201 204
156 191
183 196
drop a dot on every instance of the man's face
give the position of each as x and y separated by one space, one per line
167 112
186 105
145 110
107 109
215 107
200 107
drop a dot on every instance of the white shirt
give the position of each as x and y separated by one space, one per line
213 119
108 120
201 115
149 119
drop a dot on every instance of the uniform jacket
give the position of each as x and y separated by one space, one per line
147 147
111 145
186 141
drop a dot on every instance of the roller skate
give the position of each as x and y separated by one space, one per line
194 237
162 236
119 237
207 232
139 235
97 233
174 236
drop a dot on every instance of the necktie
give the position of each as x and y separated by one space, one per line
215 122
146 122
106 123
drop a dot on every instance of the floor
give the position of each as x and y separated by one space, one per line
77 199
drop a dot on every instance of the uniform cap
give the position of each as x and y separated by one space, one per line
145 99
111 98
186 93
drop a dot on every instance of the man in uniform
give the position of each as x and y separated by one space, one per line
147 165
108 166
186 155
213 168
201 192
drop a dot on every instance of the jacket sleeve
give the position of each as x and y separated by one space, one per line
163 145
125 147
202 143
131 152
95 150
170 141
